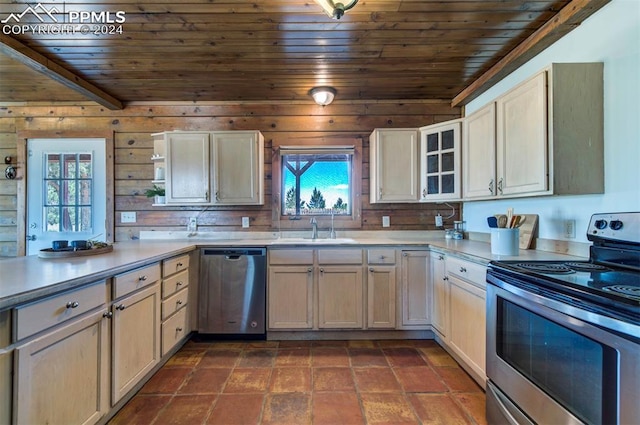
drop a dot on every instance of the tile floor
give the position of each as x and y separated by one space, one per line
308 382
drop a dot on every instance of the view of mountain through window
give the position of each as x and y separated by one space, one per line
317 184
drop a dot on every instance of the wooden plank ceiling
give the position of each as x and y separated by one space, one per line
276 50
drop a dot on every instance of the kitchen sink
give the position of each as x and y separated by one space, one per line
318 241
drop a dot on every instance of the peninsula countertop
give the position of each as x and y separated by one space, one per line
23 279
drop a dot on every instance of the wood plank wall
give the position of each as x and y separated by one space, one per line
133 126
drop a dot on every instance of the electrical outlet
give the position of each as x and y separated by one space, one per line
245 222
386 222
192 227
438 220
128 217
570 229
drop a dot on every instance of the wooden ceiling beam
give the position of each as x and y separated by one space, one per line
34 60
566 20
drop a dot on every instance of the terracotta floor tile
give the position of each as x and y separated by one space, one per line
424 343
295 344
438 409
329 356
387 409
262 344
166 381
336 408
187 409
474 404
186 358
333 379
330 343
140 410
361 343
252 380
237 409
258 357
404 356
367 357
457 379
419 379
438 357
377 380
206 381
220 358
290 379
287 409
293 357
394 343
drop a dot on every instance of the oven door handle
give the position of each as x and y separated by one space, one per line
506 407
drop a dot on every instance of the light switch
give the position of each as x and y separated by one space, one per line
385 221
128 217
245 222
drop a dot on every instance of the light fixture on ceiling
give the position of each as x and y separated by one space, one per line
323 95
336 9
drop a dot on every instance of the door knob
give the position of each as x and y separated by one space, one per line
31 237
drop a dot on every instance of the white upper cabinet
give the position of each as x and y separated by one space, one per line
394 165
211 168
479 153
187 179
440 162
238 171
544 137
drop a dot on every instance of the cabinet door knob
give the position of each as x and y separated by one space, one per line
405 254
107 315
179 283
310 269
491 186
463 270
179 265
179 302
445 278
500 182
178 329
142 278
371 269
440 257
73 304
121 307
321 270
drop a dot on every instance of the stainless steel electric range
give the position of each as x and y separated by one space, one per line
563 338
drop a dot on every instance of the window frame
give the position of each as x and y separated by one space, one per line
287 222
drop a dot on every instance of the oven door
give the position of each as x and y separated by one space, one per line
553 366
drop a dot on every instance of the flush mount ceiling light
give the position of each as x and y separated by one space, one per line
323 95
336 9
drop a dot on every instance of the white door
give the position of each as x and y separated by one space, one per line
66 189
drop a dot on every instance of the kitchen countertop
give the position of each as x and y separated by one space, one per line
23 279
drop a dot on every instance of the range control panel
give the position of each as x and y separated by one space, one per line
623 227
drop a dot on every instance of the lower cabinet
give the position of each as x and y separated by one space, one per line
416 289
61 377
135 338
290 297
340 297
381 297
440 301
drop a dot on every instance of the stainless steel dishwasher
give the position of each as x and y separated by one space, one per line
232 297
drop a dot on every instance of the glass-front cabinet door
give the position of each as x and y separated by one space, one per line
440 161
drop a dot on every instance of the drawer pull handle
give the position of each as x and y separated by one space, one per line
121 307
445 278
321 270
371 269
179 302
463 270
179 283
107 315
73 304
179 329
179 265
440 257
309 269
405 254
142 278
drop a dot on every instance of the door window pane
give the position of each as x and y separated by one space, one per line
68 195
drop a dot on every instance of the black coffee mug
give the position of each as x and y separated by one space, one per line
79 244
56 245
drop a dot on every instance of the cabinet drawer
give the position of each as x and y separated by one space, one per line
173 284
471 272
381 256
174 265
339 256
173 330
32 318
174 303
126 283
291 256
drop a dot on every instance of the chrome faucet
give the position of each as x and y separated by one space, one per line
314 228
